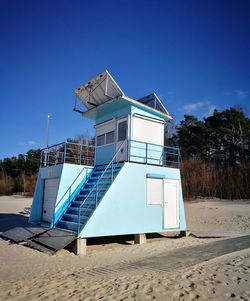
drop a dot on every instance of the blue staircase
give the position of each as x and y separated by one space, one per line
85 203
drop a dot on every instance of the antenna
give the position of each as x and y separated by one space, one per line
47 130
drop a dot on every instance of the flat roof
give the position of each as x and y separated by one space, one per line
92 112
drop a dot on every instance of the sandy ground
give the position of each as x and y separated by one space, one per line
26 274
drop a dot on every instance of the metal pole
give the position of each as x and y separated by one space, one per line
47 141
81 154
112 176
96 191
69 193
47 130
65 150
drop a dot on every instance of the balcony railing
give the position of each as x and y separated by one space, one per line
68 152
138 151
155 154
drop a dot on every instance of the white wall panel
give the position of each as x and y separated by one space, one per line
148 130
154 191
105 127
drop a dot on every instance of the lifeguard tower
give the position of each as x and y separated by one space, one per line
128 182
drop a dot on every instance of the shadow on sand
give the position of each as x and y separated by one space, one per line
11 220
119 239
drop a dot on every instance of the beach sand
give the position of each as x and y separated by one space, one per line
26 274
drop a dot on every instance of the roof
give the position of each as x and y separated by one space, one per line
98 90
117 102
153 101
103 89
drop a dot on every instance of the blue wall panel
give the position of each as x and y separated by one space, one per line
104 154
124 209
67 174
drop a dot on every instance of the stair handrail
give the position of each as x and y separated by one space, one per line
69 190
96 184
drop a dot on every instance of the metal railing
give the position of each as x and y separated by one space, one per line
138 152
70 192
155 154
68 152
95 191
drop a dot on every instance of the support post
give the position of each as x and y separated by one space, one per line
80 247
140 238
183 233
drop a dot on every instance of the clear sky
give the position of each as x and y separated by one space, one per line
194 54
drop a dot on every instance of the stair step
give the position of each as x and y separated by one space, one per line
107 172
100 184
81 197
103 187
92 194
96 177
74 216
103 167
75 210
73 226
67 225
77 204
70 217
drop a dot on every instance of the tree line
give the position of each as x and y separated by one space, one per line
215 155
18 174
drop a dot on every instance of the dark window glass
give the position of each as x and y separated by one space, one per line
110 137
122 131
100 140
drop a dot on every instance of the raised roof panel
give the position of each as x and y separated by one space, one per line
153 101
98 90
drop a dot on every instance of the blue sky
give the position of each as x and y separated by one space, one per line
193 54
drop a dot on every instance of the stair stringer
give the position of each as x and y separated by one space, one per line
124 209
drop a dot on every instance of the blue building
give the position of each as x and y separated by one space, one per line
126 182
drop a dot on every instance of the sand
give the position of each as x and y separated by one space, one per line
26 274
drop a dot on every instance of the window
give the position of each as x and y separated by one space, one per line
110 137
122 131
100 140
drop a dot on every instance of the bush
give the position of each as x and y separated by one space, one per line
207 180
30 185
6 185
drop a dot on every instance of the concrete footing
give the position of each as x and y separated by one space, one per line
80 247
183 233
140 238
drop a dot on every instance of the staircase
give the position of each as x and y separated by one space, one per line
83 206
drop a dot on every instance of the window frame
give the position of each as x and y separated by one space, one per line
126 130
97 144
112 142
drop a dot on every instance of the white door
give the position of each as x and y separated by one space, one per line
171 204
121 136
49 198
